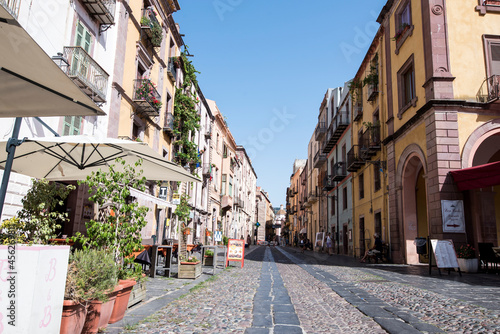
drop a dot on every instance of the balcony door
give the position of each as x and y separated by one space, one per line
83 39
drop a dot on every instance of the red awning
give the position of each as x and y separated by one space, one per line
478 176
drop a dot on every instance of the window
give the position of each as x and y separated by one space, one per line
403 24
344 198
72 125
224 151
361 181
223 184
230 186
406 87
376 176
492 51
83 37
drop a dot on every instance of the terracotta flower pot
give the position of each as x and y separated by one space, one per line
107 307
73 317
121 300
91 325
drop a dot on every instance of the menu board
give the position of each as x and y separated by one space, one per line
235 251
444 253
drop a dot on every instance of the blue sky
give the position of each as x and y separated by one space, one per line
268 64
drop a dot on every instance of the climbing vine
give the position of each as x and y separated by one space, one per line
186 118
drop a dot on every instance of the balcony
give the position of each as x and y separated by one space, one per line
372 92
319 159
490 90
168 124
313 196
151 27
339 123
358 111
12 6
370 142
339 171
226 202
86 73
101 10
146 97
354 161
320 131
208 132
171 70
206 170
328 183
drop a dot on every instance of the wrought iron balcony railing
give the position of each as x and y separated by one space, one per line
319 159
149 23
206 169
12 6
146 97
168 124
490 89
320 130
339 123
372 92
102 10
354 160
171 70
339 171
86 73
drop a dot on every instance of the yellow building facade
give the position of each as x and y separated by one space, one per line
438 68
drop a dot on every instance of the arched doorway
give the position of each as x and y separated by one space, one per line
485 202
414 202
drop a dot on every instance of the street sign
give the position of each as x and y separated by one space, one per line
218 236
176 199
257 224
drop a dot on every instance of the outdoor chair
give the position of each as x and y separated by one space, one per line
487 255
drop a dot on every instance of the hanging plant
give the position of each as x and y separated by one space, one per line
183 209
186 117
156 34
354 89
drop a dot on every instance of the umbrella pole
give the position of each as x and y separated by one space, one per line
11 150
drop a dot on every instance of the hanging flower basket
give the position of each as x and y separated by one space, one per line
186 231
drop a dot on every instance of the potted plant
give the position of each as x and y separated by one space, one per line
119 227
208 257
400 32
189 267
467 260
92 274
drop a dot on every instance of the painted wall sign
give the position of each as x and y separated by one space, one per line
453 216
235 251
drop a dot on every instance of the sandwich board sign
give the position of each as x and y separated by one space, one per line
444 254
235 251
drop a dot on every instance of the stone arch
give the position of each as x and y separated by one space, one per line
476 138
410 172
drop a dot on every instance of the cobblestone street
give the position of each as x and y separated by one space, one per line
280 290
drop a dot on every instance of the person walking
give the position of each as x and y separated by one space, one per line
249 240
329 244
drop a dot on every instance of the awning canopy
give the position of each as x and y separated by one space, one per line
31 84
477 177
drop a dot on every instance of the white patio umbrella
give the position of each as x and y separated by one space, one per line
75 157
